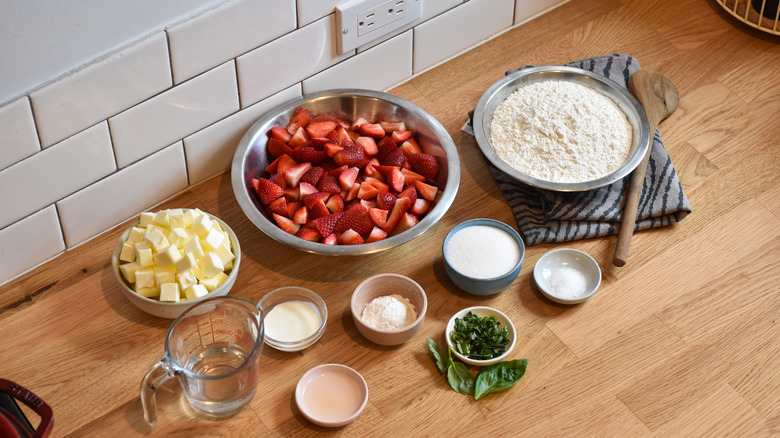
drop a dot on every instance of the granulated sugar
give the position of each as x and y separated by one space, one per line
482 251
567 282
561 131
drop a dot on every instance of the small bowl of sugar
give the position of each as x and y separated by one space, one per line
567 276
483 256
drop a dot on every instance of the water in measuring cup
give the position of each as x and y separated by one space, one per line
225 395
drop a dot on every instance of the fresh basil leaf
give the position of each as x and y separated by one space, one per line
499 377
438 356
460 378
479 337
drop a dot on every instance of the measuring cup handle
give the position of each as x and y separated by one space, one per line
155 377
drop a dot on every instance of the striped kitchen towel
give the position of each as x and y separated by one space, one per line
548 216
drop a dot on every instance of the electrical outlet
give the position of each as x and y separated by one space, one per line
361 21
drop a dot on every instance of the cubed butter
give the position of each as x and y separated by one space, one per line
148 292
186 279
212 240
189 217
169 293
164 275
211 265
143 254
195 291
168 256
214 282
224 254
128 253
193 246
128 270
144 277
176 218
136 235
202 225
147 218
186 262
177 237
162 219
156 239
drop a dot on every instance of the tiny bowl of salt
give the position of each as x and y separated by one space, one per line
483 256
567 276
389 309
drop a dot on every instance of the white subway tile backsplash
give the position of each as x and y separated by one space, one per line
456 30
526 9
378 68
174 114
210 151
227 32
310 11
102 90
29 242
123 195
54 173
287 60
18 139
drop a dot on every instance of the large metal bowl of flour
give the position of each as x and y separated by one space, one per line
501 89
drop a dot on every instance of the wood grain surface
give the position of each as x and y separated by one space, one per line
683 341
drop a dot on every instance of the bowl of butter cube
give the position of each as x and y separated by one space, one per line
171 259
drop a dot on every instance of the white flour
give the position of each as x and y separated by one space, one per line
389 313
561 132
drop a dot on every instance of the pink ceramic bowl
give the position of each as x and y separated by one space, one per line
383 285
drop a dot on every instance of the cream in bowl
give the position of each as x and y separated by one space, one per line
295 318
331 395
483 256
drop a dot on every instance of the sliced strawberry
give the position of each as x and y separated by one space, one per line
385 146
294 174
286 223
379 216
385 201
425 164
376 235
266 190
372 130
331 149
355 126
299 137
395 179
336 171
350 237
352 156
299 120
370 170
379 185
319 143
393 158
284 163
326 224
367 191
368 203
331 239
410 177
276 148
420 207
305 153
314 198
320 128
313 175
329 184
427 191
335 204
280 134
401 136
401 206
342 137
319 209
310 234
301 216
407 221
292 207
355 218
409 192
368 144
325 117
348 177
279 206
271 168
306 189
352 193
410 147
278 179
292 194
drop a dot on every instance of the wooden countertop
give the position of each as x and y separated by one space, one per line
682 341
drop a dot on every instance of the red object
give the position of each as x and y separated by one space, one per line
12 420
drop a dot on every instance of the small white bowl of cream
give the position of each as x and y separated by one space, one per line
295 318
567 276
331 395
483 256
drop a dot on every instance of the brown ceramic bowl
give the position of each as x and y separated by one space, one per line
383 285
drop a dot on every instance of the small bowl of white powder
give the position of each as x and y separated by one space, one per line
483 256
567 276
389 309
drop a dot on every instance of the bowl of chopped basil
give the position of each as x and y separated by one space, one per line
480 335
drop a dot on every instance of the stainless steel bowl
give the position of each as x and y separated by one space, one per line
501 89
250 160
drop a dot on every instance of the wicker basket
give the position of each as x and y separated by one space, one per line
761 14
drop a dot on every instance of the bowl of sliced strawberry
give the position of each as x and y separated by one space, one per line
345 172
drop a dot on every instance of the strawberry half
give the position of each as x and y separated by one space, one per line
355 218
320 128
425 164
300 120
350 237
266 190
276 148
326 224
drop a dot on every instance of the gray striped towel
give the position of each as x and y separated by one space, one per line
548 216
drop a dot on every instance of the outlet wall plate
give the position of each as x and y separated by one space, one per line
361 21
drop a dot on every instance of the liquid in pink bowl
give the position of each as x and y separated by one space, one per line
331 395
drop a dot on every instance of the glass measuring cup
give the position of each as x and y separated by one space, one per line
213 349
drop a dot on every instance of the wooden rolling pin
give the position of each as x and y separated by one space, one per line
659 98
